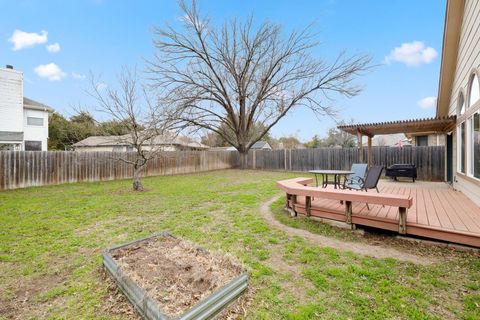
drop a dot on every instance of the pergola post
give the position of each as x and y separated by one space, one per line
369 151
360 146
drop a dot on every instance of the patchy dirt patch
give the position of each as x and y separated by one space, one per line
123 191
176 273
24 303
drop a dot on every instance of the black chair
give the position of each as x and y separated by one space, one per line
370 182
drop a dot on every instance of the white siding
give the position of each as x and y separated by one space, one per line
468 59
11 100
468 51
36 133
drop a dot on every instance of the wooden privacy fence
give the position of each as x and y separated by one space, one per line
19 169
430 161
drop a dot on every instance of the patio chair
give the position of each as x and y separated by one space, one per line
359 169
370 182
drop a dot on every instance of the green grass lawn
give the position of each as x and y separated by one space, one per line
51 239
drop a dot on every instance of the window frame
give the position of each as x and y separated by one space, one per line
36 118
420 138
461 155
473 75
461 107
471 154
36 141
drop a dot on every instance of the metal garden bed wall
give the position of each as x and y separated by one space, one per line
149 309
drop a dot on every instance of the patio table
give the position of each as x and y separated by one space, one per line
337 174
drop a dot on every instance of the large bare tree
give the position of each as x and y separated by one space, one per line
131 104
238 75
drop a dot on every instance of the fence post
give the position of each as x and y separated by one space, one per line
254 160
285 158
290 159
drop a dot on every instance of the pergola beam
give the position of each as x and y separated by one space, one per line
440 125
360 146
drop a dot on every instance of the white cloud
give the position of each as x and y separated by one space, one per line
22 39
412 54
78 76
50 71
101 86
427 102
53 48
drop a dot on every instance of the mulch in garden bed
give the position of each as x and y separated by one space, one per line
174 272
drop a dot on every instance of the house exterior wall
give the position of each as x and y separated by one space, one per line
468 60
122 148
11 100
434 139
35 132
96 148
14 115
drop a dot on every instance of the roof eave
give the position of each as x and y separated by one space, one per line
451 37
44 108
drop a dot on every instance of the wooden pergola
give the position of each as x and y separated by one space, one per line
427 125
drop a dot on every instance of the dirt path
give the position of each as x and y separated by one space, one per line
359 248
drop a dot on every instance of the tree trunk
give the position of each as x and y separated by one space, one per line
243 159
137 184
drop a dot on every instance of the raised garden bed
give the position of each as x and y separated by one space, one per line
168 278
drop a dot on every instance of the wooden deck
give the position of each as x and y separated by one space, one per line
438 212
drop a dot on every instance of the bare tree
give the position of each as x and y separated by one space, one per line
144 119
238 75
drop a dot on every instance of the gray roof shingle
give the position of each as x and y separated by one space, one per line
32 104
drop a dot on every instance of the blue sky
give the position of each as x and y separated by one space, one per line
99 36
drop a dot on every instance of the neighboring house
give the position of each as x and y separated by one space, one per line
23 122
123 143
459 94
261 145
222 149
390 140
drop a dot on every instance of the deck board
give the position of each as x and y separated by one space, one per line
443 217
438 212
466 210
455 218
430 210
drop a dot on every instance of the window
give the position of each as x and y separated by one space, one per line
461 105
474 92
421 141
34 121
117 148
461 148
476 145
33 145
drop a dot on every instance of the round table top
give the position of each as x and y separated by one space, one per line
331 172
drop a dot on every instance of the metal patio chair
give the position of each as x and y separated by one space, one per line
359 169
370 182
